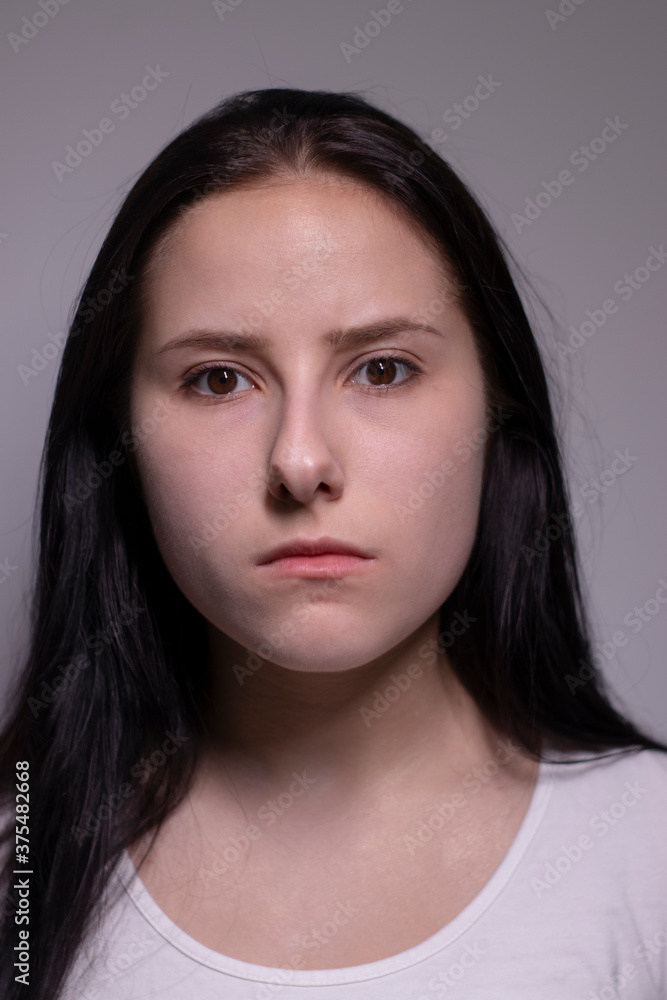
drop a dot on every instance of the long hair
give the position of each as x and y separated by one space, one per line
106 716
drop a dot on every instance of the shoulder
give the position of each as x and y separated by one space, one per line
645 771
628 778
587 904
613 808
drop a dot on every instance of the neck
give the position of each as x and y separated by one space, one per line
399 718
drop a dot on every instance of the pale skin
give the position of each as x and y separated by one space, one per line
299 442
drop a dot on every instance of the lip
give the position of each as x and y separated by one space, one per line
327 564
312 548
315 557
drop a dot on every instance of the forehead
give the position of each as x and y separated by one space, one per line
325 224
289 260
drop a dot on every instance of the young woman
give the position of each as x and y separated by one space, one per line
310 700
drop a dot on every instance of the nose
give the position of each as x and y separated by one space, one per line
302 463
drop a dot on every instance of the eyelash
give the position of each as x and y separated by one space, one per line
188 381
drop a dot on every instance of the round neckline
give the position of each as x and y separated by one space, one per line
252 972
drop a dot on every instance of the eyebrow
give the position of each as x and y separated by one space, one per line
356 336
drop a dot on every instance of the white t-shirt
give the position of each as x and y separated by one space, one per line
576 910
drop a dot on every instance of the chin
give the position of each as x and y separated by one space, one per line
326 655
303 661
320 648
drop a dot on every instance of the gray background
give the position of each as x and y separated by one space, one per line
558 82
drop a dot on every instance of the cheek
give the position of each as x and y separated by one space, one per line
435 501
194 493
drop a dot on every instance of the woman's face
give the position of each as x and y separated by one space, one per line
293 294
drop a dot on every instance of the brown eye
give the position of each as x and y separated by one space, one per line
221 380
381 371
217 380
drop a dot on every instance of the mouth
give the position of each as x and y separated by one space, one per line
315 557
